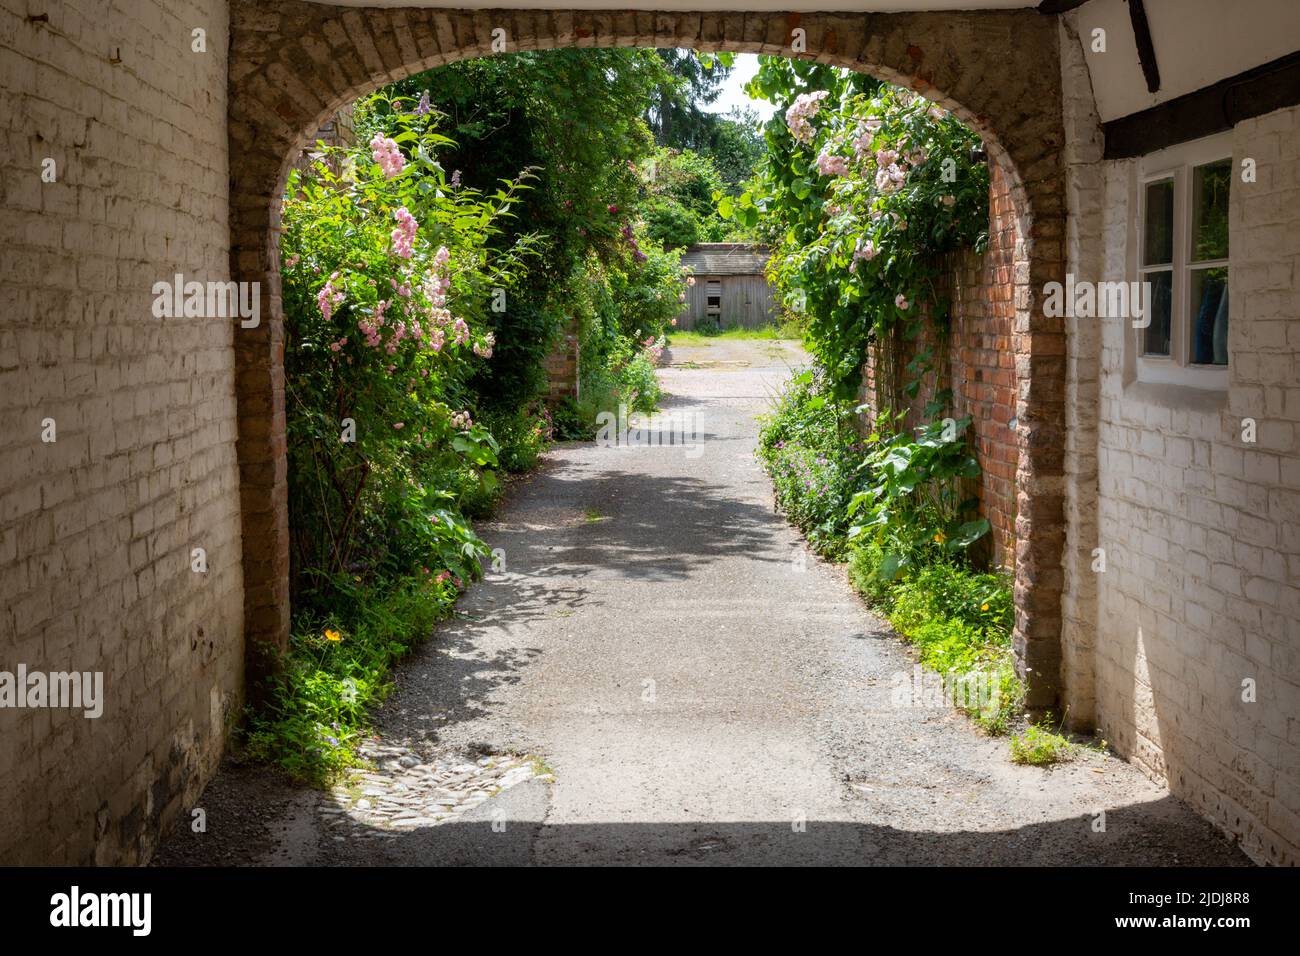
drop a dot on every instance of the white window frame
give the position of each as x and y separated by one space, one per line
1177 163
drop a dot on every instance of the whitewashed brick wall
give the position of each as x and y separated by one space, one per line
1202 530
1083 257
96 528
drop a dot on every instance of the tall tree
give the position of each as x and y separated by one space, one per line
675 115
574 121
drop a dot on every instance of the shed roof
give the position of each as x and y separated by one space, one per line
725 259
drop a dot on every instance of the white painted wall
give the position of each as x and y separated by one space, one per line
1201 529
1197 43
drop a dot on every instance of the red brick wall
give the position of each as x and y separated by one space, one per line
980 366
561 365
982 363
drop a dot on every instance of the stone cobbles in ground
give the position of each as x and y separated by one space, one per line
402 790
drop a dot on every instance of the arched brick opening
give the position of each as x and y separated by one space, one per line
294 64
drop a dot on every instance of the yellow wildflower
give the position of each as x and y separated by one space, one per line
984 606
332 635
940 538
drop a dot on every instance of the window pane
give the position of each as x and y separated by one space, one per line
1209 304
1210 210
1155 338
1158 244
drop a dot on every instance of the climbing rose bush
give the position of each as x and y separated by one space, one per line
386 278
896 188
386 283
863 192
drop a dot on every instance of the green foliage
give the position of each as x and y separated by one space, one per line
730 142
380 344
813 455
1039 746
862 189
337 669
670 223
625 380
735 147
387 274
864 563
689 82
912 505
622 310
981 602
679 208
523 435
959 620
574 120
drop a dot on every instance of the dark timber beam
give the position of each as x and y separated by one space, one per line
1137 13
1059 6
1273 86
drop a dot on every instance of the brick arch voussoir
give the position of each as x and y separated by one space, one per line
295 64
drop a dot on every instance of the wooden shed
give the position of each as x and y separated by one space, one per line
730 288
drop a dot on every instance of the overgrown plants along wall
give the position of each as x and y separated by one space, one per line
865 189
423 287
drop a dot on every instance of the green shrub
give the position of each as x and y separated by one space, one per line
863 192
523 435
639 385
337 669
982 602
913 505
865 561
387 270
1039 746
813 455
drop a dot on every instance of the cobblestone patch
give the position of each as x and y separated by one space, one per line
403 791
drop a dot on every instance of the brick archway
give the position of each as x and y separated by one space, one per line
295 64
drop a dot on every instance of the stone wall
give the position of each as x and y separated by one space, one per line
97 526
1201 587
1083 257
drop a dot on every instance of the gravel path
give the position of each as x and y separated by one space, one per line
662 674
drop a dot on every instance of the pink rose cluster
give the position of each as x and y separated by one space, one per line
387 154
438 284
370 327
804 107
864 249
831 165
655 346
404 234
328 297
865 134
